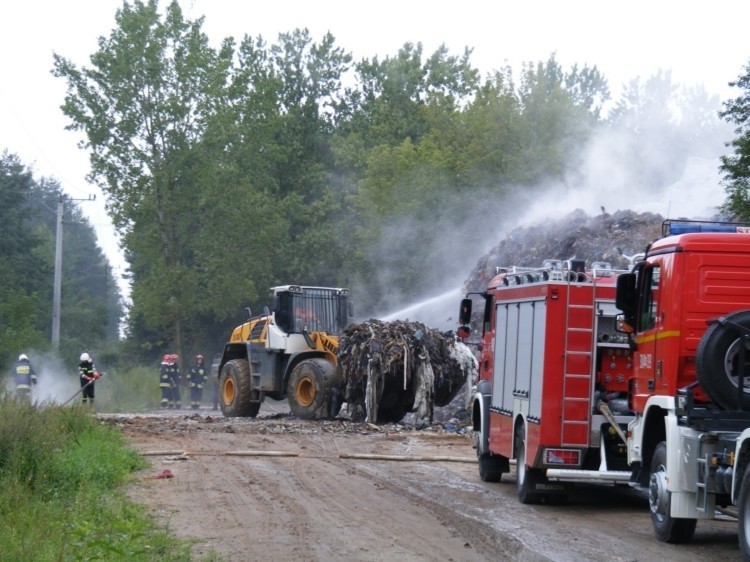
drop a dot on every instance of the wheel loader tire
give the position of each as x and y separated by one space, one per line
236 397
717 361
309 389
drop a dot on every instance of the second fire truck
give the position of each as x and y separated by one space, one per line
553 379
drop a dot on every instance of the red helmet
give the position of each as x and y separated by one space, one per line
199 357
166 358
175 357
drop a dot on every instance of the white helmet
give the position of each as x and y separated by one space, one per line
85 357
23 357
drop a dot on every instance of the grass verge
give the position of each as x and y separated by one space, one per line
61 496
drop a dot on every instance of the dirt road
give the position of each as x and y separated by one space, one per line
278 488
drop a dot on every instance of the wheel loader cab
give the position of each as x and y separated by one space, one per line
310 309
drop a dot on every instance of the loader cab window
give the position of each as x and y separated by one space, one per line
314 310
282 308
649 300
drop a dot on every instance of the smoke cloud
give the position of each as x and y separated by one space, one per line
55 383
670 169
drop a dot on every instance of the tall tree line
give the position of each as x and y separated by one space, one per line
90 306
229 170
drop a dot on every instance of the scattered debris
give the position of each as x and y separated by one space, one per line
261 454
166 473
407 458
157 424
392 368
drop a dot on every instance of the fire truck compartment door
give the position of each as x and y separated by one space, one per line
519 354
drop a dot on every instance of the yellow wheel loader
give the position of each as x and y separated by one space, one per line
290 351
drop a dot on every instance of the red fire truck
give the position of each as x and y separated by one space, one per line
657 396
553 379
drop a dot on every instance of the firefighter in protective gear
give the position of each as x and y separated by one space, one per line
175 379
165 382
197 380
25 378
88 375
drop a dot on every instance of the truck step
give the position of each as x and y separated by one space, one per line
600 476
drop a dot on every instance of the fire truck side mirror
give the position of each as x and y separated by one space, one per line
464 314
625 299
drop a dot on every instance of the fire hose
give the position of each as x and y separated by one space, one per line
84 387
607 413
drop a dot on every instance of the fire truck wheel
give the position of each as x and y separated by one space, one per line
236 397
489 468
526 478
744 515
667 528
309 384
717 362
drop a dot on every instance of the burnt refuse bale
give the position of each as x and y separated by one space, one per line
393 368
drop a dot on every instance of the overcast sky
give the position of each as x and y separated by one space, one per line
700 42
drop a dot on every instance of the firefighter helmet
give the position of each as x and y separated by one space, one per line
199 357
85 358
23 357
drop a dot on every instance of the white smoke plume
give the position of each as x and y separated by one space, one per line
609 177
56 384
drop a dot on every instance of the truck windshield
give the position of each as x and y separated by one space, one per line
314 310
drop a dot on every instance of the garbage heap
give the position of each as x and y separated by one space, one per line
393 368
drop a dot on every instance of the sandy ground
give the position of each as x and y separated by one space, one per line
278 488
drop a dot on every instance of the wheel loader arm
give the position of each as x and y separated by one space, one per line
321 341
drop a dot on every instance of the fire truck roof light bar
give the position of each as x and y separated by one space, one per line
673 227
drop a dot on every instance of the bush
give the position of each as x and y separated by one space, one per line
60 472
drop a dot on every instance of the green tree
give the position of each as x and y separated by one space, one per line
558 110
395 95
143 107
24 271
648 127
736 166
90 305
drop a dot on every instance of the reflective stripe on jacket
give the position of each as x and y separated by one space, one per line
164 378
24 375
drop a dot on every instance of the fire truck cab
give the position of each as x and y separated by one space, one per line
687 308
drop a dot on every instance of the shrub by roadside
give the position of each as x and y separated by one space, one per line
60 496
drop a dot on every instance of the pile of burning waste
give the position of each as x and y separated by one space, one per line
613 238
393 368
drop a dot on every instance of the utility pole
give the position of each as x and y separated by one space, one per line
56 293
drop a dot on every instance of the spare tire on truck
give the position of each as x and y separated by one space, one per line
717 361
